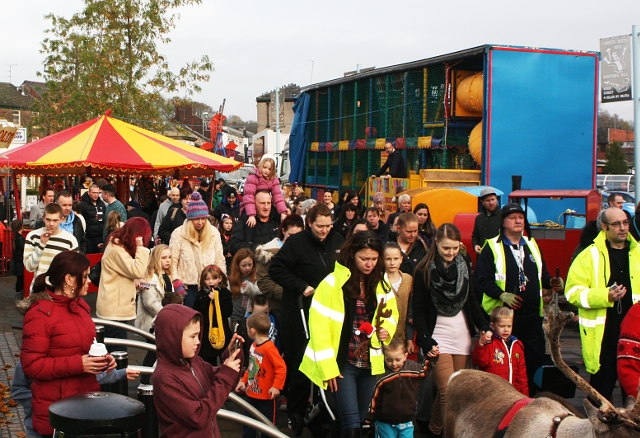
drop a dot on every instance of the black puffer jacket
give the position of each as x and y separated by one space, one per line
174 218
91 213
303 261
245 236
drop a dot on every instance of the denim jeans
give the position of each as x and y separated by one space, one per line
192 293
401 430
354 394
119 333
266 408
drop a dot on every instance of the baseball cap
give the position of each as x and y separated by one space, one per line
487 191
511 208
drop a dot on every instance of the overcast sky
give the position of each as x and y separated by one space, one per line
257 45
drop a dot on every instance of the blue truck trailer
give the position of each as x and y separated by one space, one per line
491 112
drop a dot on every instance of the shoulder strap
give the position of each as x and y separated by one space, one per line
173 213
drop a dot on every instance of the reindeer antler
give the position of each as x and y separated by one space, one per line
552 328
382 312
634 412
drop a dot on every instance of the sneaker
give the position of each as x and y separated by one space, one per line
296 424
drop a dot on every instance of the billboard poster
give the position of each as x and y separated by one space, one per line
615 69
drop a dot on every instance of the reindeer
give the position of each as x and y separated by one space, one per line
477 403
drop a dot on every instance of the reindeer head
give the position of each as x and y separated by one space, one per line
607 420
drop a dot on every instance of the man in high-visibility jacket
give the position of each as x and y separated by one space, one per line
511 273
604 282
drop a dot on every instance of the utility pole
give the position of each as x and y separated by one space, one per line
635 44
277 122
10 71
205 116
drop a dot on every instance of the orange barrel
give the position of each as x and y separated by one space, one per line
469 93
475 143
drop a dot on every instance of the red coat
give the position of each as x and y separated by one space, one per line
629 351
504 360
57 332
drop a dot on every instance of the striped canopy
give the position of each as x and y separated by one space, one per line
110 146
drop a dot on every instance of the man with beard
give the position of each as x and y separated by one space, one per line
487 223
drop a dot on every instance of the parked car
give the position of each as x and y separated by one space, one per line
238 177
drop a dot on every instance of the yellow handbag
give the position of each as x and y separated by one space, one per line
216 334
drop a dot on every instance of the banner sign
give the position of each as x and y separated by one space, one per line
6 135
20 137
615 69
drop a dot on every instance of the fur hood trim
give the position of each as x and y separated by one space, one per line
265 252
24 304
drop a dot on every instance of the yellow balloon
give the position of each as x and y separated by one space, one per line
475 143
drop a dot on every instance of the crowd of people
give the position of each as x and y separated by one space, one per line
271 292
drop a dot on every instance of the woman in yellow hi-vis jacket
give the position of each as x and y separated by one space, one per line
352 314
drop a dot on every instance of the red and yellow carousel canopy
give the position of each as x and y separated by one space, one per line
108 145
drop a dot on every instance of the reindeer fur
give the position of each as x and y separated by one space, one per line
477 402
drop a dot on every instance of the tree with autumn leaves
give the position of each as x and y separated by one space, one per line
107 57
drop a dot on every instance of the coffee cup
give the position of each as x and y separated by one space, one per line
98 349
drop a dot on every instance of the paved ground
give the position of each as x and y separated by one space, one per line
10 340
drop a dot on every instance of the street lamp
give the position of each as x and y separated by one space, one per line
205 115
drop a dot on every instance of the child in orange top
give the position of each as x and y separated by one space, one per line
265 376
503 356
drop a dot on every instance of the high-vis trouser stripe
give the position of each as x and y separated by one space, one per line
592 323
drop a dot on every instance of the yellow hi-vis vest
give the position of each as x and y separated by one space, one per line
586 288
497 248
326 317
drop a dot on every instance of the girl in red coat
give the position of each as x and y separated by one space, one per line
57 334
504 355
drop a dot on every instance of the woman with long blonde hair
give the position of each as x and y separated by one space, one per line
194 245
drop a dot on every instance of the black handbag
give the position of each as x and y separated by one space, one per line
94 273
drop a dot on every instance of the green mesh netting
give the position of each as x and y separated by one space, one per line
406 104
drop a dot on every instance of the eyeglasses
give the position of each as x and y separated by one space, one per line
618 224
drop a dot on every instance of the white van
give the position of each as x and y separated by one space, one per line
624 183
238 176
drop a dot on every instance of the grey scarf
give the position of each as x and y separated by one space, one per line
449 286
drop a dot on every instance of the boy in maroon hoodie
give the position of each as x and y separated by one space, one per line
188 390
